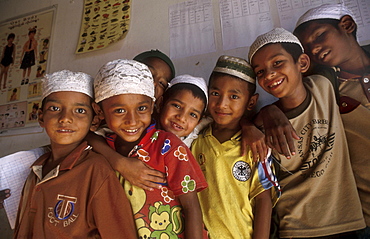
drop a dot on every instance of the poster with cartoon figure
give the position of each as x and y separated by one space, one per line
13 115
32 111
25 51
103 22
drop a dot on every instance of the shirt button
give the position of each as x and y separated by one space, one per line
366 80
37 189
344 104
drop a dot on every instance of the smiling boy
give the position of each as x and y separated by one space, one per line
237 203
319 196
71 191
124 98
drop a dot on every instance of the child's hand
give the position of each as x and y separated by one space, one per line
4 194
140 174
279 133
253 137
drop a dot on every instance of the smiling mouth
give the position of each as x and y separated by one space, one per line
323 55
276 83
131 131
176 126
65 130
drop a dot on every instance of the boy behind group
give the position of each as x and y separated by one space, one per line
319 196
237 203
71 191
328 34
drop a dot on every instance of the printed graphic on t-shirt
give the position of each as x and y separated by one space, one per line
63 212
315 146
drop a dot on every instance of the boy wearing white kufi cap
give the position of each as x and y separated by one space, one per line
124 92
328 33
184 104
322 161
231 176
68 193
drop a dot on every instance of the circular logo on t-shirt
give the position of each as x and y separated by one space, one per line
241 171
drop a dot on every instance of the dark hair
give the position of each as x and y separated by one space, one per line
195 91
46 41
15 90
11 35
293 49
32 30
251 87
334 22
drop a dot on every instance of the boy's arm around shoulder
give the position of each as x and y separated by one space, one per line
134 170
279 133
111 209
192 214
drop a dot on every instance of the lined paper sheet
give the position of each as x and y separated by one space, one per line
14 170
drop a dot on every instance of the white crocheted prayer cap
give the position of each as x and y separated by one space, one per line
123 77
66 80
197 81
235 66
277 35
325 11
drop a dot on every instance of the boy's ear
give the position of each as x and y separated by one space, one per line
98 110
348 24
41 118
304 62
252 102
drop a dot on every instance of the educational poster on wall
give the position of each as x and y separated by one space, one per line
103 23
25 51
13 115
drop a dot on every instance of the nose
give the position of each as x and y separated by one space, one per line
315 49
130 118
65 116
222 102
270 74
181 116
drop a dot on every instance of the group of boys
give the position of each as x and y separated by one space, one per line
324 186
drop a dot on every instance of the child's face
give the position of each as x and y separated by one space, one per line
229 98
66 117
10 40
181 113
128 115
161 74
325 44
276 71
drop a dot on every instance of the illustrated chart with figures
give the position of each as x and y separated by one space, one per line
191 28
290 11
236 18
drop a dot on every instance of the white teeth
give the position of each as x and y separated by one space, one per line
65 130
131 130
276 83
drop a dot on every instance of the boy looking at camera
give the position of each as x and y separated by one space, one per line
307 208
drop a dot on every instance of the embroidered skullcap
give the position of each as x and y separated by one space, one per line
156 54
325 11
123 77
235 66
277 35
197 81
66 80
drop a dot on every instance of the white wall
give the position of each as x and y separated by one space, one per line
148 30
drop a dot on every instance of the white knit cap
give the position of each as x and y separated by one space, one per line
197 81
123 77
325 11
66 80
277 35
235 66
